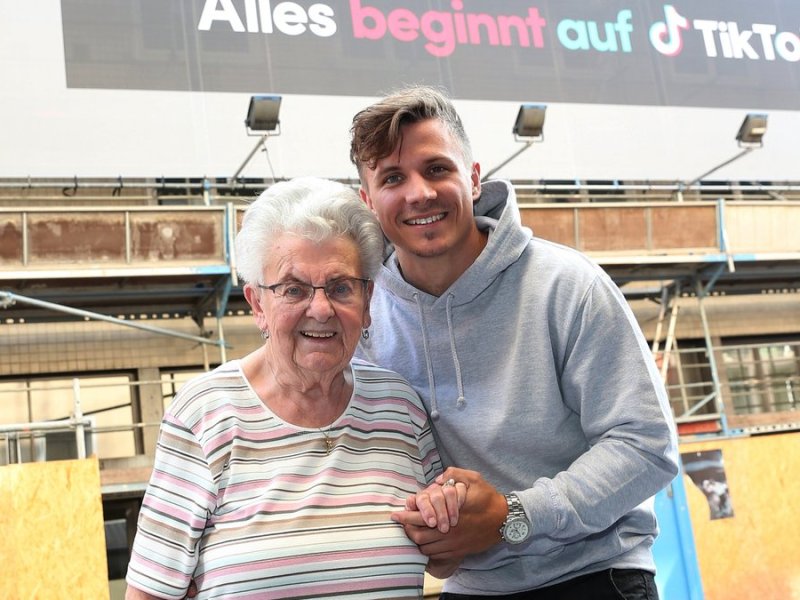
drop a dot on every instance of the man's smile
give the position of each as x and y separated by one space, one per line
425 220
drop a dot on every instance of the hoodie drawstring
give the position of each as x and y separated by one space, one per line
460 401
431 382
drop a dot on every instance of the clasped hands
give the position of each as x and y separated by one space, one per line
448 521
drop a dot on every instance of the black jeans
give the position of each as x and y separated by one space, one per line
611 584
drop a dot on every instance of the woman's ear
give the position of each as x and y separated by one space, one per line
252 294
367 318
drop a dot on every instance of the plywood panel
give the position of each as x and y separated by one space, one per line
637 229
613 229
52 543
763 228
76 237
181 236
686 226
753 554
10 239
553 224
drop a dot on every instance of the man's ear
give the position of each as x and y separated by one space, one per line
476 181
365 198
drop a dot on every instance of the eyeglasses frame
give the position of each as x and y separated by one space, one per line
314 288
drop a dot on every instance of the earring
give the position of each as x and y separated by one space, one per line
365 334
264 334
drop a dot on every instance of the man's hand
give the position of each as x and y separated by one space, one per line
442 569
478 528
438 504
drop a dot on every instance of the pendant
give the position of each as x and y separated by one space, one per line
328 445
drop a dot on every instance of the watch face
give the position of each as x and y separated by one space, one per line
516 531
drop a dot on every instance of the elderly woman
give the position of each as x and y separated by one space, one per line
276 475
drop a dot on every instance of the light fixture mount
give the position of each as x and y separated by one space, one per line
528 128
262 121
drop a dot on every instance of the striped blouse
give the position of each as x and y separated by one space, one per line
253 507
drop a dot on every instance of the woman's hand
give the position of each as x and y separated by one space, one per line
478 528
439 503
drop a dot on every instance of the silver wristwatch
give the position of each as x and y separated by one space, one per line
516 528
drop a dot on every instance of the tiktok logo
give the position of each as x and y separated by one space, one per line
666 37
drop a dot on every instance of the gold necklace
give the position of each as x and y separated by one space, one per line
329 443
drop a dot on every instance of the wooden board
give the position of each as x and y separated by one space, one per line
52 541
754 553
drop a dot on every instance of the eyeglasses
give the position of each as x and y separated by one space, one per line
345 290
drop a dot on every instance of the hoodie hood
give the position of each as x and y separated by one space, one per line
496 212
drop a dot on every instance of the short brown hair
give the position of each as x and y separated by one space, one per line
375 132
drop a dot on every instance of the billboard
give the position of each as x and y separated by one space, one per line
637 90
715 53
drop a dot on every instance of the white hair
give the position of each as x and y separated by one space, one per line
317 209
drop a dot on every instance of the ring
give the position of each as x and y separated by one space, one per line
449 482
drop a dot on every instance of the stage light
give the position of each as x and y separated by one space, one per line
750 136
752 130
262 114
262 120
528 128
530 121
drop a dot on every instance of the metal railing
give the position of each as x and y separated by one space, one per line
205 191
755 379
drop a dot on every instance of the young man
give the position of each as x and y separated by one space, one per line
541 387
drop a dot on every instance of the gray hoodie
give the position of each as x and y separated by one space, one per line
536 374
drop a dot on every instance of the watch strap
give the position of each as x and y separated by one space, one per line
515 511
